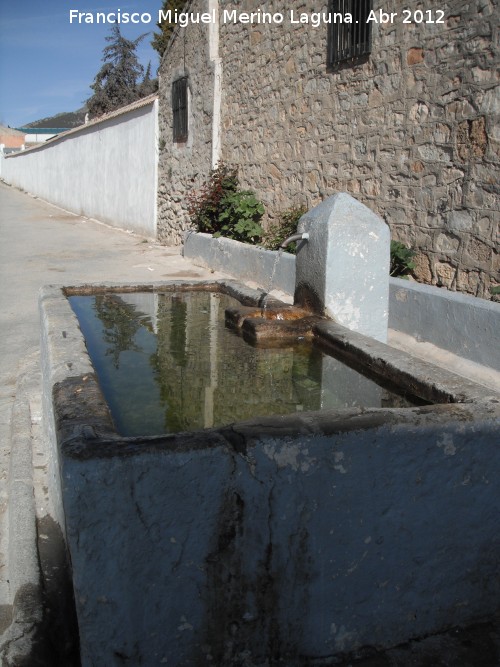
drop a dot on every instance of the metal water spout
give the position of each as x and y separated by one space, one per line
295 237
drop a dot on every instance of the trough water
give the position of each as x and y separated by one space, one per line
167 363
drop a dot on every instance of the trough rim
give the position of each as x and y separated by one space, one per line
452 398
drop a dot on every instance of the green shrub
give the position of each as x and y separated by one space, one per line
222 209
401 260
285 226
240 216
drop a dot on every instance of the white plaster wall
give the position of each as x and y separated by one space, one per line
42 137
107 171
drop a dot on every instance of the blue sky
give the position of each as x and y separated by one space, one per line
47 64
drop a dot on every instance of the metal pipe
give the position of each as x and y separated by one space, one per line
294 237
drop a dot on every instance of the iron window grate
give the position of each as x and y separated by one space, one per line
348 41
180 109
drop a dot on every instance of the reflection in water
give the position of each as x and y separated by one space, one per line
119 325
167 363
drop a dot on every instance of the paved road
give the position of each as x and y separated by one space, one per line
42 244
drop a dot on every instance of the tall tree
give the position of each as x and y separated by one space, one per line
148 85
161 39
121 79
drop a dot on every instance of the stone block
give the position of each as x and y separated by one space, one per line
479 251
422 270
468 281
447 244
459 221
445 274
415 56
343 269
491 101
471 139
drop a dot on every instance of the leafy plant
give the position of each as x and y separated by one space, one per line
240 215
204 206
283 228
222 209
495 290
401 260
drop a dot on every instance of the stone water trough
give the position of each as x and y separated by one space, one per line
290 540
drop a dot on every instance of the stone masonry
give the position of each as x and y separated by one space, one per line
411 131
183 166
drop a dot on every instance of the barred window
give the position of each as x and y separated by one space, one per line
347 41
180 109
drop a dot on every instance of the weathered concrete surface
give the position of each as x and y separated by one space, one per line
248 263
484 375
455 331
458 323
42 244
344 265
297 538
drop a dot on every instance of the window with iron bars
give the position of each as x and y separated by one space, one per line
348 41
180 109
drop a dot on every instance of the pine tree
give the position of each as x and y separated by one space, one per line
161 39
121 79
148 85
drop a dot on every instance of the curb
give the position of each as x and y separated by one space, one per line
21 637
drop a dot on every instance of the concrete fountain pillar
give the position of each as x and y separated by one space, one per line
343 269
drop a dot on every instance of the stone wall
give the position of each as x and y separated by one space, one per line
184 166
412 132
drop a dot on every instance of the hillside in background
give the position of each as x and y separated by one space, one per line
65 120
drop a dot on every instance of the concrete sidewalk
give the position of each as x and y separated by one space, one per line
42 244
